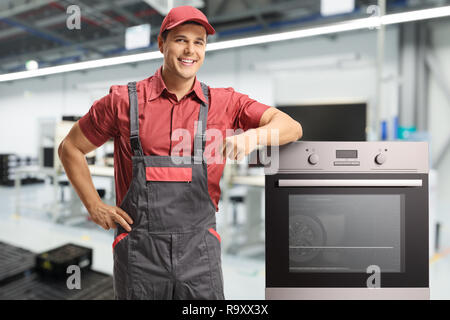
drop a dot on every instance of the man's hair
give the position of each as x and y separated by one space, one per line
166 32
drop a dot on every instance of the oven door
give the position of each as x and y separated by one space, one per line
335 230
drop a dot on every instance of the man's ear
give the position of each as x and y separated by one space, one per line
160 43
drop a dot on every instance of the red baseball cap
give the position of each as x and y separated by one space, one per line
182 14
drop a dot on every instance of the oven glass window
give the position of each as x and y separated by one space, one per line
345 233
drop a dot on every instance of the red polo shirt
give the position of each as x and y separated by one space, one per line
160 113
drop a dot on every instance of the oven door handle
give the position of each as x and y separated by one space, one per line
350 183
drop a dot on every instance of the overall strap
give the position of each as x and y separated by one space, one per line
200 135
134 120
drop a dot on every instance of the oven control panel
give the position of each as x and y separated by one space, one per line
360 156
380 158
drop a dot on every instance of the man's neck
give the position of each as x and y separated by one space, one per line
179 87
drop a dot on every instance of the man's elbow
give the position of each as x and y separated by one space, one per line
298 131
66 150
60 149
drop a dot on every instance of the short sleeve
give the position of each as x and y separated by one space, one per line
99 124
248 112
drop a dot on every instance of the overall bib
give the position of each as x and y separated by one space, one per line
173 250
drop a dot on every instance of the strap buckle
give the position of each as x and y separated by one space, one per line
135 143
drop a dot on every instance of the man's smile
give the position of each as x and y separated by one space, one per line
187 62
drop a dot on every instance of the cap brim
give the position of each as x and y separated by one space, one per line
208 27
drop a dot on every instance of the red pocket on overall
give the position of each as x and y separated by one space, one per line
168 174
118 238
214 233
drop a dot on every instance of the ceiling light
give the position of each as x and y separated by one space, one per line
164 6
81 66
137 36
333 7
349 25
303 33
31 65
416 15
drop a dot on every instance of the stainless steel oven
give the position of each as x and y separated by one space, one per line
348 220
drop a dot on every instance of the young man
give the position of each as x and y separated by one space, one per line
166 244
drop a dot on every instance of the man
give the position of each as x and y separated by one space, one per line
166 244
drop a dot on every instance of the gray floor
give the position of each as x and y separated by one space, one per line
33 229
244 278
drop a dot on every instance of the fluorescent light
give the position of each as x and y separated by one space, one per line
416 15
335 28
81 66
356 24
303 33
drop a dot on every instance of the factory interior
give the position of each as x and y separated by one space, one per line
353 71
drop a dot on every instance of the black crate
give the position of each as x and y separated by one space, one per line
31 180
7 183
14 262
94 286
9 160
54 263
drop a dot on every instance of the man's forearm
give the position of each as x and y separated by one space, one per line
77 170
281 129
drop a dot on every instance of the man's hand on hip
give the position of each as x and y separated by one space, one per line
108 216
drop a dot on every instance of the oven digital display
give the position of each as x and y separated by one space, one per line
346 154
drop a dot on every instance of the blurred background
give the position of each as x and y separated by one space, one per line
382 65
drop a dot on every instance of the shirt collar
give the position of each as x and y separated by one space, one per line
158 87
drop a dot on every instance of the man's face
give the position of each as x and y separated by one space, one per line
183 50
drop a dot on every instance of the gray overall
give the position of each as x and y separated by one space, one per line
173 250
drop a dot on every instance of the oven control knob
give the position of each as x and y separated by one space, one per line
313 159
380 158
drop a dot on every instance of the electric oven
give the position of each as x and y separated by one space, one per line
348 220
